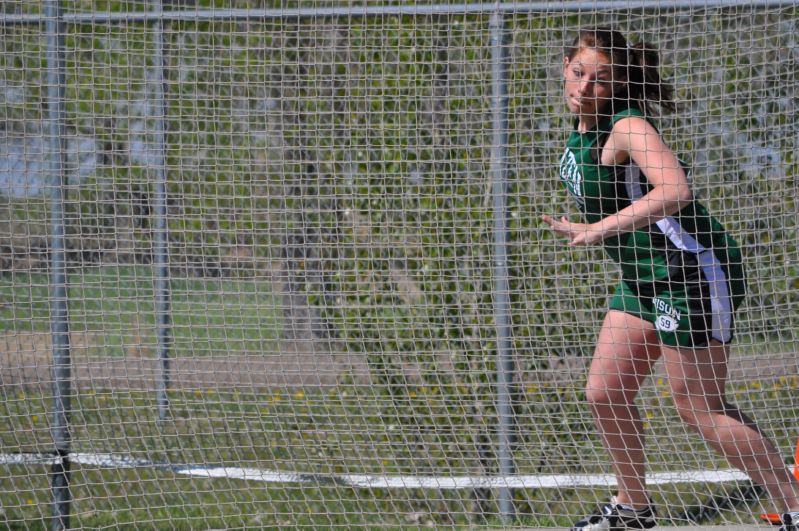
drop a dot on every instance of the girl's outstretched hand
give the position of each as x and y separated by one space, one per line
577 233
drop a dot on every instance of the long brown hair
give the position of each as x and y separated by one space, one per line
636 64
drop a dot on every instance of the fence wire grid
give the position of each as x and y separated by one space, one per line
281 264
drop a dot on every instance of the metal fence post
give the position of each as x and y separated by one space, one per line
160 251
59 303
499 187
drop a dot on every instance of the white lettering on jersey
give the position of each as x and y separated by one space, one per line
668 318
571 176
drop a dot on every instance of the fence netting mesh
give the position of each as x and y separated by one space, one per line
330 236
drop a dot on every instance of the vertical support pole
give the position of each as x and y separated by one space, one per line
505 369
59 309
160 251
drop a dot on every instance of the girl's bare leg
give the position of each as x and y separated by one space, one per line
697 378
626 350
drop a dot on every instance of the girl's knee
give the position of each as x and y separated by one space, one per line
688 411
698 411
602 394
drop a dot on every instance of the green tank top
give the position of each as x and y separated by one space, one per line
648 254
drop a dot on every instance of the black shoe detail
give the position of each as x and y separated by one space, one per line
615 517
790 522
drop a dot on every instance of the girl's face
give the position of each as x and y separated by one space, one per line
588 85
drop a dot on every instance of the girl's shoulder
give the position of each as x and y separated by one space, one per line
627 113
630 112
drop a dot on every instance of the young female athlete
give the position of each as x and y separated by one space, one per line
682 277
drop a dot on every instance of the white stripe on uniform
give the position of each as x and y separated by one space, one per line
720 298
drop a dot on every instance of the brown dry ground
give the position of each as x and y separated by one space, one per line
26 359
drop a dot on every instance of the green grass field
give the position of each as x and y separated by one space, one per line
346 429
341 431
115 306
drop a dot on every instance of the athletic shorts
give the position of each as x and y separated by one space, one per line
689 312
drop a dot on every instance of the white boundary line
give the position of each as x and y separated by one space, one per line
374 482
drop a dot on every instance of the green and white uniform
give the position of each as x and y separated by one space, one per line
683 273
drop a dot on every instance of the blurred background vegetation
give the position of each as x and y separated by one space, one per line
353 154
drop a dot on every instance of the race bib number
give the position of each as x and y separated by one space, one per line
666 323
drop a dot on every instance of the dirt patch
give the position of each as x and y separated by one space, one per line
26 359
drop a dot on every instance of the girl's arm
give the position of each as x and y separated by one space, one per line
634 139
637 139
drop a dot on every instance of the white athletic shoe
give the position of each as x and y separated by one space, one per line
617 517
